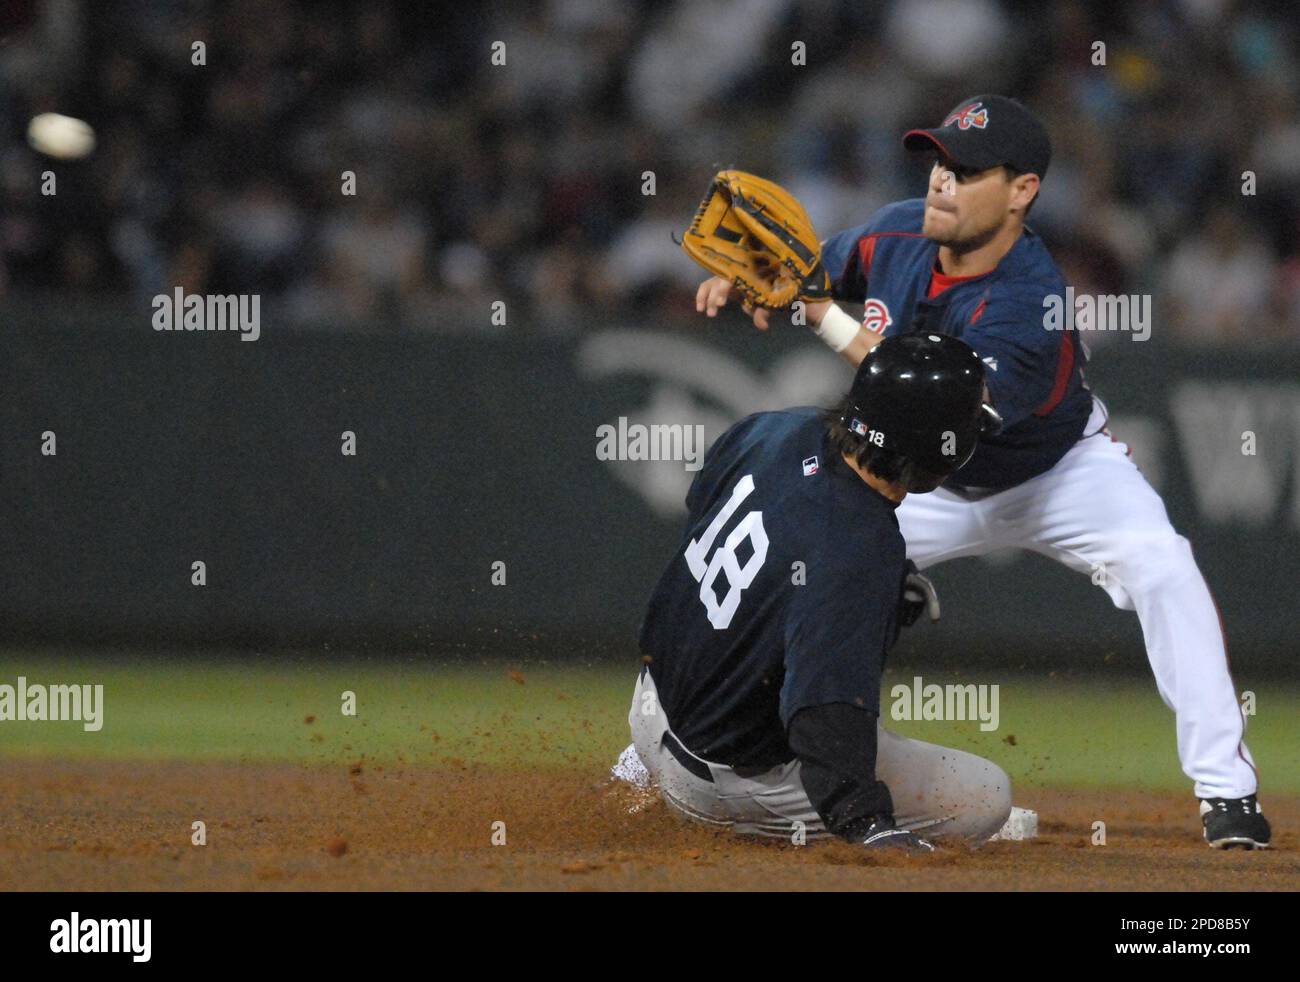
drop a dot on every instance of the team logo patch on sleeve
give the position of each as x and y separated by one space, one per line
875 316
810 467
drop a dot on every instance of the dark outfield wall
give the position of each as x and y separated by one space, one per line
173 448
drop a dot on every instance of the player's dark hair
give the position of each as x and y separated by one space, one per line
1012 174
888 465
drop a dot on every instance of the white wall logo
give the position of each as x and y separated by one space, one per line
1254 490
102 936
875 315
697 385
35 703
209 312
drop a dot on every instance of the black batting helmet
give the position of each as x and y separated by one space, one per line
921 396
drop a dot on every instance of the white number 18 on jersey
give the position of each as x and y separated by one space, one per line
724 559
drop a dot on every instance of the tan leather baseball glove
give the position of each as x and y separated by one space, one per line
756 234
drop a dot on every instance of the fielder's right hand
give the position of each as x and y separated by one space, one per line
713 295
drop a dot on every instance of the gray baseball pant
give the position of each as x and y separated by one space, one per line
938 792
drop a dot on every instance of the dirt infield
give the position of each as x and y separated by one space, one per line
97 826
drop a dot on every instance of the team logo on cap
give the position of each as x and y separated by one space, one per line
968 116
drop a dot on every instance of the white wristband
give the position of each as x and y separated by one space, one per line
837 329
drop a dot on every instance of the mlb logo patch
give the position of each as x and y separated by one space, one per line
810 467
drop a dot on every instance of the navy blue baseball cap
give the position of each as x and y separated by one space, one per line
988 131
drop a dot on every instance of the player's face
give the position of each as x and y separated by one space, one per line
965 207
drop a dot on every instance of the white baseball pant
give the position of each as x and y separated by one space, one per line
1096 513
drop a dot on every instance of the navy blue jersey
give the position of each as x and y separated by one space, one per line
1035 375
782 596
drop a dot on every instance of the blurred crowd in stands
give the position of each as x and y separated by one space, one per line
1176 126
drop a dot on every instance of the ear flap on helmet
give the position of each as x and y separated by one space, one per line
990 420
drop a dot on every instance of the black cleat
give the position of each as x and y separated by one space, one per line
883 835
1235 823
